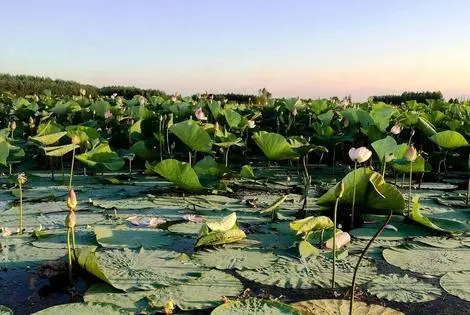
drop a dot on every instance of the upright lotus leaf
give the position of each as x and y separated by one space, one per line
275 205
341 307
372 192
224 224
385 148
4 152
426 127
191 134
274 146
144 151
405 289
402 165
233 118
84 133
215 109
48 127
60 150
437 223
254 306
306 250
15 154
310 273
49 139
449 139
428 260
131 270
381 114
303 147
102 155
100 107
235 258
83 309
310 224
179 173
457 283
208 171
247 172
222 231
226 139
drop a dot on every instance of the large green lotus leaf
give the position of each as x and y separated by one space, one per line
247 172
403 289
233 118
60 150
426 127
274 146
49 127
57 239
50 138
132 238
449 139
100 107
457 283
85 133
220 237
131 270
83 309
428 260
25 256
381 114
4 152
205 292
440 242
179 173
439 224
191 134
404 231
372 192
254 306
102 155
311 273
384 147
141 149
233 258
223 224
15 154
134 302
341 307
5 310
420 165
303 226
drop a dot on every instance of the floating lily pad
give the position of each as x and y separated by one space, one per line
254 306
439 241
311 273
57 239
5 310
457 283
132 238
202 293
272 241
341 307
232 258
404 231
428 260
83 309
23 256
187 228
403 289
134 302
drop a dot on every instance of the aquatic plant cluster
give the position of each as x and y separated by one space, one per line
178 204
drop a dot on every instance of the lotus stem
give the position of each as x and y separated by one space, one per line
226 156
62 169
21 207
160 137
334 242
409 188
71 168
69 252
189 158
351 301
52 168
9 167
130 167
354 196
384 167
468 192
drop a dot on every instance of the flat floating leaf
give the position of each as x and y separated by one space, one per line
132 238
83 309
311 273
404 231
440 242
341 307
428 260
202 293
188 228
403 289
457 283
254 306
231 258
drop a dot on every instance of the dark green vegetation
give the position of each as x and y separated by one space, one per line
184 203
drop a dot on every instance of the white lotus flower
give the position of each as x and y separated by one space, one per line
411 154
396 129
359 155
294 111
82 92
251 124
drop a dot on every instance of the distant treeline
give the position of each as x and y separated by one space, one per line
420 97
22 85
129 92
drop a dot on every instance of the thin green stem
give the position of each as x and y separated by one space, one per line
189 159
71 168
130 167
409 188
226 156
384 167
21 208
354 196
160 138
334 242
73 238
69 253
356 269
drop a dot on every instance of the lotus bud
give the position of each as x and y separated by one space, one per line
251 124
294 111
359 155
71 200
75 139
70 220
411 154
142 101
200 114
216 126
169 306
396 129
22 178
82 92
31 122
346 122
35 98
118 100
342 239
13 125
173 98
113 96
339 191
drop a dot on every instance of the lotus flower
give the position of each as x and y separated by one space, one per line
22 178
293 111
342 239
108 115
411 154
71 200
396 129
251 124
13 125
359 155
200 114
142 101
82 92
346 122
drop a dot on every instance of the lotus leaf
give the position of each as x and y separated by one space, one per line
449 139
101 155
440 242
188 228
49 139
191 134
457 283
179 173
309 224
83 309
247 172
232 258
385 148
60 150
341 307
274 146
254 306
134 302
132 238
405 289
403 231
5 310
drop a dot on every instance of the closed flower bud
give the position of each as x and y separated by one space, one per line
411 154
22 178
75 139
396 129
251 124
13 125
70 220
71 200
200 114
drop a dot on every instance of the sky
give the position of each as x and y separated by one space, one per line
307 48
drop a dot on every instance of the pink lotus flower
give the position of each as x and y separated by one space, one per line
200 114
396 129
359 155
108 115
193 218
411 154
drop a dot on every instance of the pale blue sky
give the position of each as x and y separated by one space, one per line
303 48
